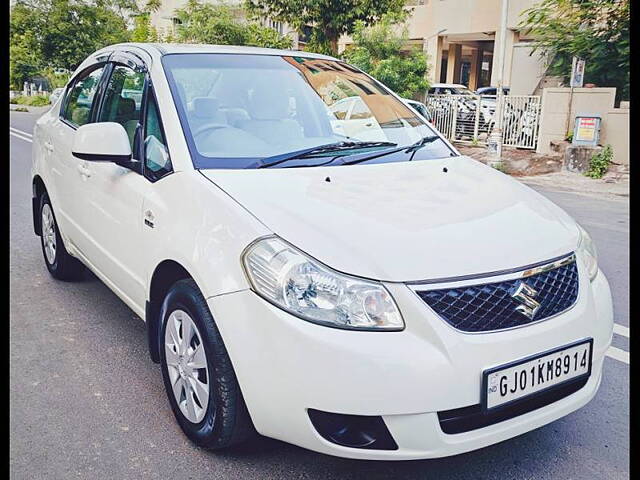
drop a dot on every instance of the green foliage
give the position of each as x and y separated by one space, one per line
20 109
569 137
62 33
599 163
378 51
595 30
143 31
219 24
330 19
33 101
56 80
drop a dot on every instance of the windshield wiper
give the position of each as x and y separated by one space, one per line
329 147
408 149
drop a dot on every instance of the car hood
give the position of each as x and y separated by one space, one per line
408 221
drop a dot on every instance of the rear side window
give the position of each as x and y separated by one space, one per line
81 96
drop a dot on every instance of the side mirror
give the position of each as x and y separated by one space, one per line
103 142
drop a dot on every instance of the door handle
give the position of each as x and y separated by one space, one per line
48 146
83 170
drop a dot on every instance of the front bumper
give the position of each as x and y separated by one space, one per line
285 366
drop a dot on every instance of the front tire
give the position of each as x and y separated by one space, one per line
198 376
60 264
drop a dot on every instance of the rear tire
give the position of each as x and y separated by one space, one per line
60 264
194 360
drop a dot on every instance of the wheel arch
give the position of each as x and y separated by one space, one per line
166 273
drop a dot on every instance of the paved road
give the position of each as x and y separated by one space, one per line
86 401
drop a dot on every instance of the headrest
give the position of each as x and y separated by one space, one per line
268 103
80 115
205 107
126 106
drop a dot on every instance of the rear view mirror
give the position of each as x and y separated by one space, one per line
103 142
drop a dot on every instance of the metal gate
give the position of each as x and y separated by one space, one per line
471 118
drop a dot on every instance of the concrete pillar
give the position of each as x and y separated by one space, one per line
433 48
453 63
476 68
508 56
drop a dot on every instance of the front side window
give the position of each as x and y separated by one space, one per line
236 109
81 96
123 100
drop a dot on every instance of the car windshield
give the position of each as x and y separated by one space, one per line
236 109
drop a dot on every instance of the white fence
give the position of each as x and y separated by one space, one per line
470 118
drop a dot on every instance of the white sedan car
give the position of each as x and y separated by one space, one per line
377 298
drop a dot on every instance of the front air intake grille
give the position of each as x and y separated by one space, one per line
492 306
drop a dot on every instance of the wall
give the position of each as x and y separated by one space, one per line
555 108
615 132
527 70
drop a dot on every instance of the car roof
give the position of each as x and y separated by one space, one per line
157 50
170 48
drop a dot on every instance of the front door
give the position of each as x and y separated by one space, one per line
115 194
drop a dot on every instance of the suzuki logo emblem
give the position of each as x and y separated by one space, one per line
528 305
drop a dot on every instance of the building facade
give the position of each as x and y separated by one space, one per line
461 38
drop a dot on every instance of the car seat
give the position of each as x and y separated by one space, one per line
270 121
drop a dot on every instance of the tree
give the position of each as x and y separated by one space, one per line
143 31
61 33
330 18
220 25
595 30
378 51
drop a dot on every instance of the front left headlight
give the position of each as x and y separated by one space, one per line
589 253
304 287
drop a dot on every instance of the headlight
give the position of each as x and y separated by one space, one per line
588 250
304 287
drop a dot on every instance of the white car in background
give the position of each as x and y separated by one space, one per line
354 119
419 107
468 97
363 291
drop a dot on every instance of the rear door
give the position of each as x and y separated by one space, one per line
67 176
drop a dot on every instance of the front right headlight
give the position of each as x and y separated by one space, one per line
304 287
589 253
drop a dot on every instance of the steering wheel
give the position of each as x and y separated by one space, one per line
209 126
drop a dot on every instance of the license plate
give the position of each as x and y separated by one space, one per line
514 381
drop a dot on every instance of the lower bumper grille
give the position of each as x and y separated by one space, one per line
465 419
492 306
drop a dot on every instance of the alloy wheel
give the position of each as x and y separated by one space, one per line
49 234
187 365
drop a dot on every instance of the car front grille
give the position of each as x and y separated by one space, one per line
491 306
